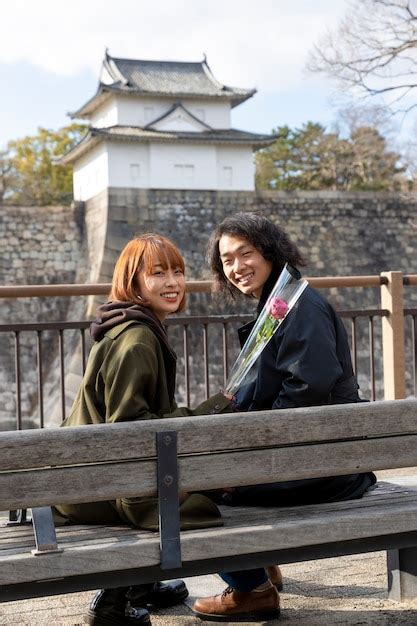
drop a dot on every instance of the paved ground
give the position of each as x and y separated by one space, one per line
346 590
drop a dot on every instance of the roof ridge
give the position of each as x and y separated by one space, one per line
170 62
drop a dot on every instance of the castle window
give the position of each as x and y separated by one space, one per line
134 171
184 171
228 174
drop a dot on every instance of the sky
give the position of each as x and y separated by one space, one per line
51 54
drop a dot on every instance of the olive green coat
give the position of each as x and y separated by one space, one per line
128 378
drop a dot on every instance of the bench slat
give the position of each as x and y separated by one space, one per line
200 472
112 442
246 531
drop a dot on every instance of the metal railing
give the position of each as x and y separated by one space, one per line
194 337
39 329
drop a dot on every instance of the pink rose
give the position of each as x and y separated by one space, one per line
277 308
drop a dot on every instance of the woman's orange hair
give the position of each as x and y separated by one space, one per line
140 255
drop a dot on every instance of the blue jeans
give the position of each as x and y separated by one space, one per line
245 580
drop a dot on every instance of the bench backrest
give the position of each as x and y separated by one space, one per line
101 462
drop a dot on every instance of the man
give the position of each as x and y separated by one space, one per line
306 363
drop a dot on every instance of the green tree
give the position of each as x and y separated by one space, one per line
275 165
33 177
6 174
311 158
373 166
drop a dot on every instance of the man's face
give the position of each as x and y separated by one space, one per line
243 265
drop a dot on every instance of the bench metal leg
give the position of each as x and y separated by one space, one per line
169 516
402 574
44 529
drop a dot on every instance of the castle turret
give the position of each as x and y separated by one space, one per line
162 125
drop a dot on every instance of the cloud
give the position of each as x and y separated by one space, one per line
260 43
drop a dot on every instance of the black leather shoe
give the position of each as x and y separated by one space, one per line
110 606
159 595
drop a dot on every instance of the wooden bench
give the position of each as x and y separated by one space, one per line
41 467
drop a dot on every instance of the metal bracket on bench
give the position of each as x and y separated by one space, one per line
18 518
44 530
169 513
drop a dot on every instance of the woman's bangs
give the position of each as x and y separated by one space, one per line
173 257
163 252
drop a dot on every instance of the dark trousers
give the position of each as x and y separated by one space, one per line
245 580
290 493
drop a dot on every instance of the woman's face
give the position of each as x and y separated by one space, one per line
163 288
243 265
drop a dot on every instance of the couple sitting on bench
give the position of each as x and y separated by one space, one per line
130 375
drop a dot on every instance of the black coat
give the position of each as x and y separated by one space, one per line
306 363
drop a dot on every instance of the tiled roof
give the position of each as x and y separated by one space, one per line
174 77
161 78
146 135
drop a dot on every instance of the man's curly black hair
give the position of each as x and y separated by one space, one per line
271 241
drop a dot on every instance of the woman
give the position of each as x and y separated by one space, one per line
130 375
306 363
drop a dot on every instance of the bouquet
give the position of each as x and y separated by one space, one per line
282 298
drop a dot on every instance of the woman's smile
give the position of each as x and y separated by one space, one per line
163 289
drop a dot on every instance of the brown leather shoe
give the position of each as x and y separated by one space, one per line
234 605
275 576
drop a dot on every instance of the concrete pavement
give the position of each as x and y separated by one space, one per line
346 590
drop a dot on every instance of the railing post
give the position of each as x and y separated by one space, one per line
392 299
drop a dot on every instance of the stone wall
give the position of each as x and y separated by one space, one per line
39 245
340 233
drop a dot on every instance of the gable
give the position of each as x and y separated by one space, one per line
180 120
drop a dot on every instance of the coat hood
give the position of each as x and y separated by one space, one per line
114 313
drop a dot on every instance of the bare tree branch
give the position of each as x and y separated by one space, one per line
373 51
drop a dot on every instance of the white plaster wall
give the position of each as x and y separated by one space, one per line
216 113
91 173
163 166
128 164
235 168
137 111
182 166
106 115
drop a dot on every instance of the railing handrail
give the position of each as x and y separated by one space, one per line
410 279
193 286
180 319
93 289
